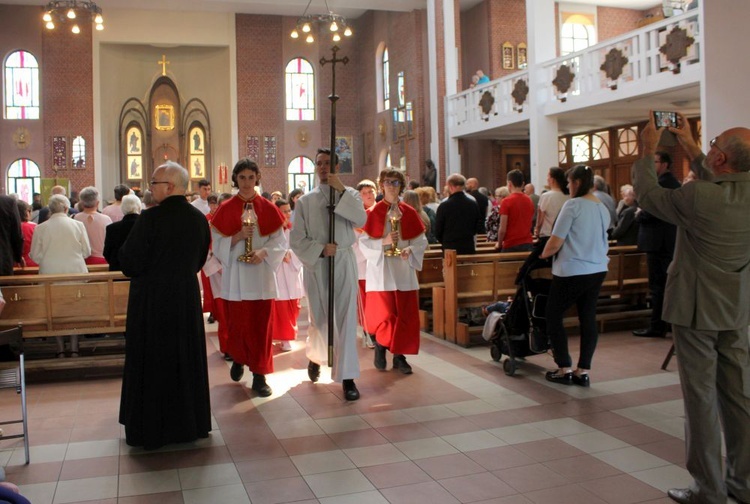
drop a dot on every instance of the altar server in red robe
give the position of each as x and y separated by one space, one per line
249 285
392 308
289 281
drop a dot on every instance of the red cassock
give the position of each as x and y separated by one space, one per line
250 339
284 319
393 316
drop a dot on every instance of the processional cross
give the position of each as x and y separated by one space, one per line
333 98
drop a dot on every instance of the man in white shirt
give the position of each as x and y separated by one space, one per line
204 189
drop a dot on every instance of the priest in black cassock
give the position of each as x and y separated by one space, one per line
165 395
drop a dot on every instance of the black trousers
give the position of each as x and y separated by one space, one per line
582 291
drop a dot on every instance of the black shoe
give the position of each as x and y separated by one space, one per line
211 319
313 371
227 357
237 371
649 333
683 495
350 390
582 380
379 360
731 495
563 379
399 362
260 385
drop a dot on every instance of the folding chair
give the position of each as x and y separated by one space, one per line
14 376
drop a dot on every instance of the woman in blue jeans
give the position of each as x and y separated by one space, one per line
579 247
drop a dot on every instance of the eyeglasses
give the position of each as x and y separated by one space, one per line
392 183
712 143
154 182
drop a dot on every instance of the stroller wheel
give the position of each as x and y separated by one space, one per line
509 366
495 352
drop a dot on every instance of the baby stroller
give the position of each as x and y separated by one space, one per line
522 330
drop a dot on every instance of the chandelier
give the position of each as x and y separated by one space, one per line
62 11
336 24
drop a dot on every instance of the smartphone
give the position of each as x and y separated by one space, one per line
665 119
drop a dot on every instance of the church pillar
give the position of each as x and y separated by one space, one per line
453 157
725 100
435 136
540 26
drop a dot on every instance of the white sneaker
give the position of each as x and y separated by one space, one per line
286 346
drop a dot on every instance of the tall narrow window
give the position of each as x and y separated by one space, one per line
300 91
578 31
301 173
21 86
24 179
386 85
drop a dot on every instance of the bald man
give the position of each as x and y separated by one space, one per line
472 187
706 301
165 396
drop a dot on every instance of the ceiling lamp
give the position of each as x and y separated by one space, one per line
332 21
61 11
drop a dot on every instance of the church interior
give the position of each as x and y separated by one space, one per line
206 82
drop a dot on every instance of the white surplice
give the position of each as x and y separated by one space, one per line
308 237
392 273
248 282
289 275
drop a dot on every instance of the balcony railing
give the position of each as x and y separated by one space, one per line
661 55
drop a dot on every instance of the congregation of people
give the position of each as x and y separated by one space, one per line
257 255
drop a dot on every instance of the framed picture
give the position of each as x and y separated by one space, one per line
269 151
59 152
197 166
522 55
78 160
164 117
344 148
508 56
135 168
134 138
253 148
197 141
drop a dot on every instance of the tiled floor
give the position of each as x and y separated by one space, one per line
457 430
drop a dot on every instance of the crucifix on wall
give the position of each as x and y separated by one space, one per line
163 62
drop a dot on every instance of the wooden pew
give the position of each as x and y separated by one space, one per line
429 277
63 305
480 279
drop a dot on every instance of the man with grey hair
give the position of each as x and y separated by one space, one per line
458 219
601 192
118 232
165 396
95 223
706 301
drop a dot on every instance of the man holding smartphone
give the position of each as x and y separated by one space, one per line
706 301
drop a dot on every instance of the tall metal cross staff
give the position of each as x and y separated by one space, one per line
333 98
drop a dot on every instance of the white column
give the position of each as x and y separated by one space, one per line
432 58
540 26
725 99
453 161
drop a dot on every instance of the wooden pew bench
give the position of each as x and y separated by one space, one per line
429 277
480 279
63 305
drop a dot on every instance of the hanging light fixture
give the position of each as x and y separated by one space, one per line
61 11
333 21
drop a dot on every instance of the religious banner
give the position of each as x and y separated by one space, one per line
223 175
59 153
253 148
269 151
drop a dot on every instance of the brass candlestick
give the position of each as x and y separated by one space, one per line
394 217
248 219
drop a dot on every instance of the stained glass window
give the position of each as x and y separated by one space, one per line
21 86
386 77
300 90
24 179
301 174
